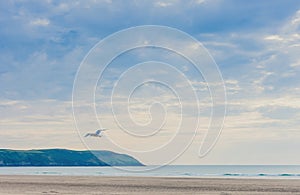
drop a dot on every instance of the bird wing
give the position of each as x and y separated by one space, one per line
98 132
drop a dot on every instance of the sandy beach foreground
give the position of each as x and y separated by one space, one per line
143 185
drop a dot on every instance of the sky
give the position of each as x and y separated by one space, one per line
255 44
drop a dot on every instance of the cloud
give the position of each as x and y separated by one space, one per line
295 64
274 37
37 124
200 1
256 48
40 22
163 4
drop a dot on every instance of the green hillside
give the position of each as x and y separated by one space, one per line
63 157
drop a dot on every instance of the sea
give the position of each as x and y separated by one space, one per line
201 171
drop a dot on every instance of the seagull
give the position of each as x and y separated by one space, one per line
98 133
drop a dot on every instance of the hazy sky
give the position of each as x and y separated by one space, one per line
256 45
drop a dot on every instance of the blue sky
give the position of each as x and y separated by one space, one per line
256 45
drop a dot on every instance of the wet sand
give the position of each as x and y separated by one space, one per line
143 185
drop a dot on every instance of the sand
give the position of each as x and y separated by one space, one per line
143 185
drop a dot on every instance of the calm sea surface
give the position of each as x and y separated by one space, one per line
232 171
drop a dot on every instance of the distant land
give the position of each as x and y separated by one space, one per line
64 157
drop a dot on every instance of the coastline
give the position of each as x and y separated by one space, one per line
34 184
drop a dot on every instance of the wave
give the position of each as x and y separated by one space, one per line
260 175
47 173
253 175
236 175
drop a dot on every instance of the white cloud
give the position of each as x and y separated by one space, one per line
250 63
37 124
200 1
232 86
40 22
163 4
290 101
274 37
295 64
289 33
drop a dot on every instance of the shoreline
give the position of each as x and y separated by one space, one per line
50 184
159 176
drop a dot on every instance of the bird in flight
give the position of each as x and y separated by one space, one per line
98 133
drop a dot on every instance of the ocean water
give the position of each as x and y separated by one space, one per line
213 171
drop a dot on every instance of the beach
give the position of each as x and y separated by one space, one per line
15 184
